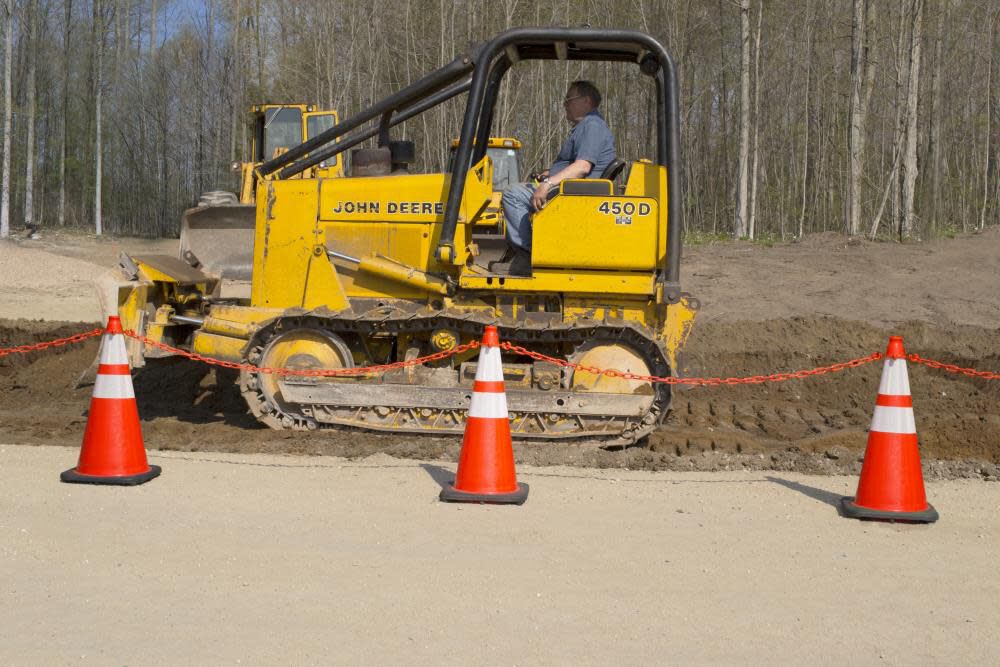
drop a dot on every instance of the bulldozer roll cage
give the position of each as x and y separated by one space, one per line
488 63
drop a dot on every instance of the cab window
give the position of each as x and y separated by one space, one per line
505 169
282 129
317 124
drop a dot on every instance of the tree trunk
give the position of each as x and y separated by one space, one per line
98 84
935 130
743 199
862 82
8 113
912 99
29 159
723 116
67 27
805 146
752 225
989 119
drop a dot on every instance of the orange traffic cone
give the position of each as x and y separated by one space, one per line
486 464
112 451
892 485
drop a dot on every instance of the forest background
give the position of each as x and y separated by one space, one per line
874 117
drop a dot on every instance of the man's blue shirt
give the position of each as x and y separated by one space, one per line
590 140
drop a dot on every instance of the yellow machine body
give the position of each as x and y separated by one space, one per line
354 270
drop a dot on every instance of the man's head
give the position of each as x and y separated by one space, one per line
581 98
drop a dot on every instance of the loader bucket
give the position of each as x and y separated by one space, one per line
219 240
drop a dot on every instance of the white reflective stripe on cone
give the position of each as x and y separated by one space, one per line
113 386
113 349
489 405
894 378
490 369
893 420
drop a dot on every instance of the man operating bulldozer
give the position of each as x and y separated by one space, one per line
586 153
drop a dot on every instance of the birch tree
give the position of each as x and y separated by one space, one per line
912 98
743 195
862 81
29 159
8 112
98 138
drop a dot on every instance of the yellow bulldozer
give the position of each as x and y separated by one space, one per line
379 265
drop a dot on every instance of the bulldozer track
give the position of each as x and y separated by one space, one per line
535 414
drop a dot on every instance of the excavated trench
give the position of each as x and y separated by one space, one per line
816 425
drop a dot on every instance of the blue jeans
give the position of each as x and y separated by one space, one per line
517 210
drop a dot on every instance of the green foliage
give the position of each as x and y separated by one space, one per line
948 230
695 238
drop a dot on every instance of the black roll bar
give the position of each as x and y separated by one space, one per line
429 84
535 43
353 140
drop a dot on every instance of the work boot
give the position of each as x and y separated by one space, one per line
502 265
520 265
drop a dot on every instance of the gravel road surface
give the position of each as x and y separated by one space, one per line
264 559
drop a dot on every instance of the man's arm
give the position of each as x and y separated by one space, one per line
577 169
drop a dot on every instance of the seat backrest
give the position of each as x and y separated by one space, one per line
613 170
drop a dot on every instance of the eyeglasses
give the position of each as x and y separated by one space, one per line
570 99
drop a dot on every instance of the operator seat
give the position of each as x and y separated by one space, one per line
614 170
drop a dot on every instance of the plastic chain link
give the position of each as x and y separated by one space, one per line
472 345
952 368
333 372
59 342
698 382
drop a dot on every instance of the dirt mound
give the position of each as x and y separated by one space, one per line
815 425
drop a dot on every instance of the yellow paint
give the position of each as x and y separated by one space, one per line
677 327
443 339
237 321
495 142
646 179
323 286
574 231
549 280
218 346
611 356
396 272
285 236
609 308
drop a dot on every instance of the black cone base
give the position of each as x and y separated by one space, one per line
855 511
73 477
452 495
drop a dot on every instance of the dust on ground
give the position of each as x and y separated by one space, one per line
765 309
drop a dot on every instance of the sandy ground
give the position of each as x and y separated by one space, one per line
52 278
287 560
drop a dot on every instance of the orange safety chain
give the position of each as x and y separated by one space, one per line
516 349
952 368
59 342
699 382
333 372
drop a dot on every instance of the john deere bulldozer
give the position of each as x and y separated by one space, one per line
383 265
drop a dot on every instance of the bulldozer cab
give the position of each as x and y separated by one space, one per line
278 127
590 228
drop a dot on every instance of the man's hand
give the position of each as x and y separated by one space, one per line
540 197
